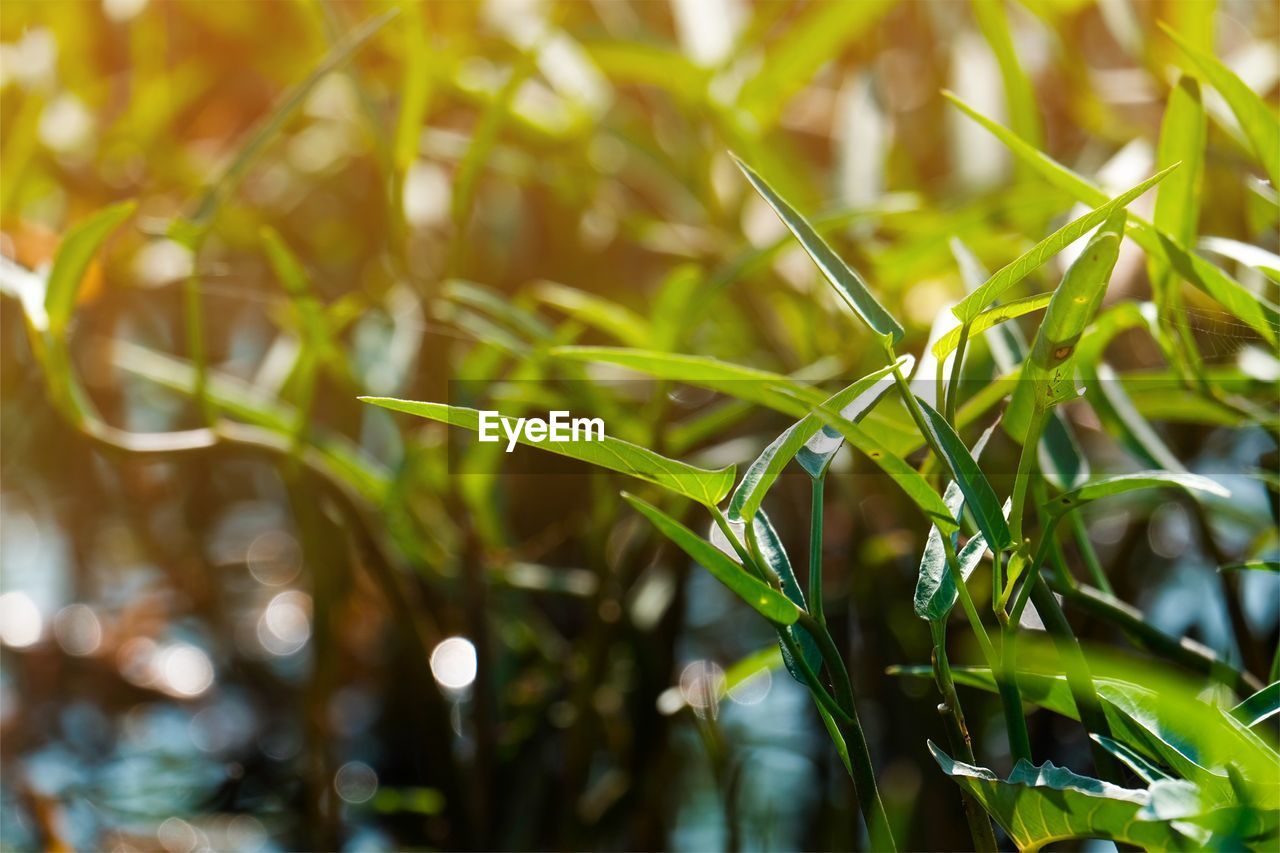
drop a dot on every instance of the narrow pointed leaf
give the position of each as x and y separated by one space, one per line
766 600
1049 373
852 403
1260 124
1110 486
1259 707
908 479
1137 762
989 318
978 494
1182 140
742 383
1254 566
72 260
703 485
848 284
972 305
1259 313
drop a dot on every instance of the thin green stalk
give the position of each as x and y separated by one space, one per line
1079 678
861 769
966 603
1010 695
953 385
1134 623
815 549
1088 554
958 735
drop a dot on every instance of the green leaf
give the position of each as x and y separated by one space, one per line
1182 140
1136 761
415 85
766 600
776 559
1260 314
972 305
819 34
1259 123
978 494
703 485
993 316
71 262
1267 263
852 403
742 383
1254 566
1041 804
1049 374
1259 707
1123 483
1024 110
936 591
609 317
908 479
847 283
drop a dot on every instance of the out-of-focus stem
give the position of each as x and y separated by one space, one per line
1079 678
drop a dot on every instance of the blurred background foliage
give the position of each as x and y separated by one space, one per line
330 632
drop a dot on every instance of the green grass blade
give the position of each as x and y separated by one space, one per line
1024 111
703 485
415 87
1182 140
608 316
742 383
1259 123
978 494
71 261
972 305
1123 483
1048 374
848 284
1260 314
1134 760
822 31
851 402
767 601
230 177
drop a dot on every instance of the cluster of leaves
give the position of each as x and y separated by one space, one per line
1171 767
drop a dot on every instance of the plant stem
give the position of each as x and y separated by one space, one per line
1133 622
815 549
1088 554
861 770
958 735
1079 678
953 385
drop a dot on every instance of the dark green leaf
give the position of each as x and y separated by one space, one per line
770 603
978 494
808 436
